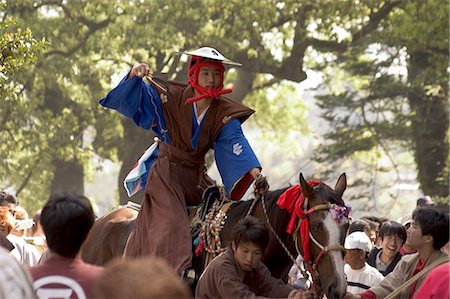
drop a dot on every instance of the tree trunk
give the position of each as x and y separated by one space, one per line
430 129
243 85
69 177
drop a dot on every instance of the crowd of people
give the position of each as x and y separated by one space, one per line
373 268
40 257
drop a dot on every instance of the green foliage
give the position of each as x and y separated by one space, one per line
19 50
57 116
384 91
280 111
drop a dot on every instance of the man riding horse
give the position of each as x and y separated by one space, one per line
189 119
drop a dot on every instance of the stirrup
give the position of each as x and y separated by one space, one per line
189 276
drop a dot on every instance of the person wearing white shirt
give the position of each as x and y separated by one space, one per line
360 275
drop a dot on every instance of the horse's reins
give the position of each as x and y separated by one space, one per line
312 266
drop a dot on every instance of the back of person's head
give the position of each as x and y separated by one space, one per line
151 277
373 221
66 220
425 201
433 222
251 229
393 228
7 199
359 225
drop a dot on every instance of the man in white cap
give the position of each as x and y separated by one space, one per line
189 119
360 275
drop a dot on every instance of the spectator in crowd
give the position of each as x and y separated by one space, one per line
35 234
406 248
428 232
15 281
360 275
359 225
374 224
23 252
239 273
22 223
155 280
66 220
295 275
425 201
393 236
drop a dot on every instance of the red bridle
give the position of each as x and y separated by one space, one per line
306 236
296 203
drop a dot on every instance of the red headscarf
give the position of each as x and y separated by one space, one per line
194 67
292 200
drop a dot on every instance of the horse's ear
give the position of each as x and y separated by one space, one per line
341 185
307 190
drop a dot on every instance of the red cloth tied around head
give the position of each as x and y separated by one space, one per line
292 200
194 68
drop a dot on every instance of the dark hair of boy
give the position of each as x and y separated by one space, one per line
66 220
393 228
251 229
433 222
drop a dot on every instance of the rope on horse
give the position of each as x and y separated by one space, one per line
416 277
275 233
212 226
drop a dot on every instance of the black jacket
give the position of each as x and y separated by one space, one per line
372 260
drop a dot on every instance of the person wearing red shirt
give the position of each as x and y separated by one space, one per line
429 231
66 220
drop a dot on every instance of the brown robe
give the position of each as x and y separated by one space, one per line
178 178
221 280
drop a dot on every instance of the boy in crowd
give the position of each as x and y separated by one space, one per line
360 275
66 220
239 272
428 232
393 236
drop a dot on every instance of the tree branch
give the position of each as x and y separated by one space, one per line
374 21
25 181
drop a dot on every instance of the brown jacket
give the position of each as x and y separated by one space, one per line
401 273
178 117
221 280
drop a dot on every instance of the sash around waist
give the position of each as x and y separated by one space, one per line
184 158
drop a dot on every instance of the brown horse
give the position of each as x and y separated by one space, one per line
109 234
327 231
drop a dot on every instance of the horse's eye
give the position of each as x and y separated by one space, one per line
314 227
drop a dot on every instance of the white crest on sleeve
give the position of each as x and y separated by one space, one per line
237 149
163 98
225 119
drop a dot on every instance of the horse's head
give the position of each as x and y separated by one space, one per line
327 216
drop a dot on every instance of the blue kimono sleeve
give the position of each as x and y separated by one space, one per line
139 101
234 158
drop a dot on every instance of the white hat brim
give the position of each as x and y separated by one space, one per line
213 54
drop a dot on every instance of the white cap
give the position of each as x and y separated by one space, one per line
358 240
211 53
